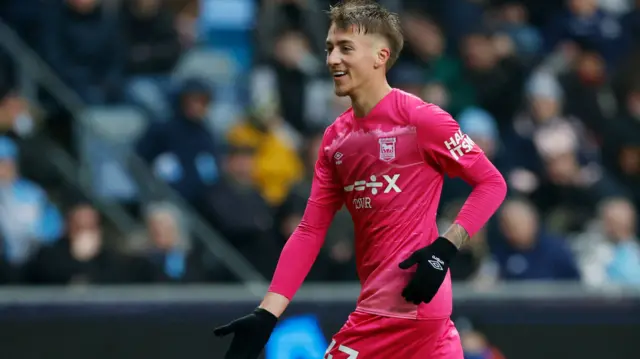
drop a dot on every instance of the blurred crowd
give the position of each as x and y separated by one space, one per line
549 89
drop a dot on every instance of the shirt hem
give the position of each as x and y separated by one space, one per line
400 316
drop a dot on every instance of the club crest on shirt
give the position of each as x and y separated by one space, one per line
387 148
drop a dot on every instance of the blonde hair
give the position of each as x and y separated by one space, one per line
369 17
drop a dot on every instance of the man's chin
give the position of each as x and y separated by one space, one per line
341 92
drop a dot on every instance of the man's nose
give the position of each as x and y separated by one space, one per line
333 58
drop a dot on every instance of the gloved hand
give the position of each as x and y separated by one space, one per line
251 334
433 264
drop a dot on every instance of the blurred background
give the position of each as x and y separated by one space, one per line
156 155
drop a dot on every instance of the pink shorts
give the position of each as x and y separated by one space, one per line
369 336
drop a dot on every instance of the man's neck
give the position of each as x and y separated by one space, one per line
364 100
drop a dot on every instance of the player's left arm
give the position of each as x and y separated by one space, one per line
457 235
451 152
456 155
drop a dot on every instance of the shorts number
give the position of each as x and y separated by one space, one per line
352 353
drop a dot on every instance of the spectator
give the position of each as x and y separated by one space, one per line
571 186
153 51
17 117
154 47
82 256
291 41
27 218
460 18
529 252
277 17
426 51
286 76
182 151
610 251
626 78
583 21
513 20
589 93
630 115
622 145
235 207
80 41
496 75
628 163
277 165
168 246
543 110
187 21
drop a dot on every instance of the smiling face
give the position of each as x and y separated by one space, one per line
353 58
362 44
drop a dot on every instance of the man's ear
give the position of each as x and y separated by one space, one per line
382 56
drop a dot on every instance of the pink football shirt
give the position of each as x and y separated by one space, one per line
388 170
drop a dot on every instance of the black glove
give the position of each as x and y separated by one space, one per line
433 264
252 333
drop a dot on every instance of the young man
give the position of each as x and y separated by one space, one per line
385 159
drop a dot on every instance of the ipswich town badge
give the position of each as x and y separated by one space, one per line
387 148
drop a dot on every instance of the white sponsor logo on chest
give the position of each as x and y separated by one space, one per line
374 184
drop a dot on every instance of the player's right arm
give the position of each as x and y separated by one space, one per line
298 255
302 248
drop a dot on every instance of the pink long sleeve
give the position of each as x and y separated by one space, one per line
489 190
456 155
302 248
